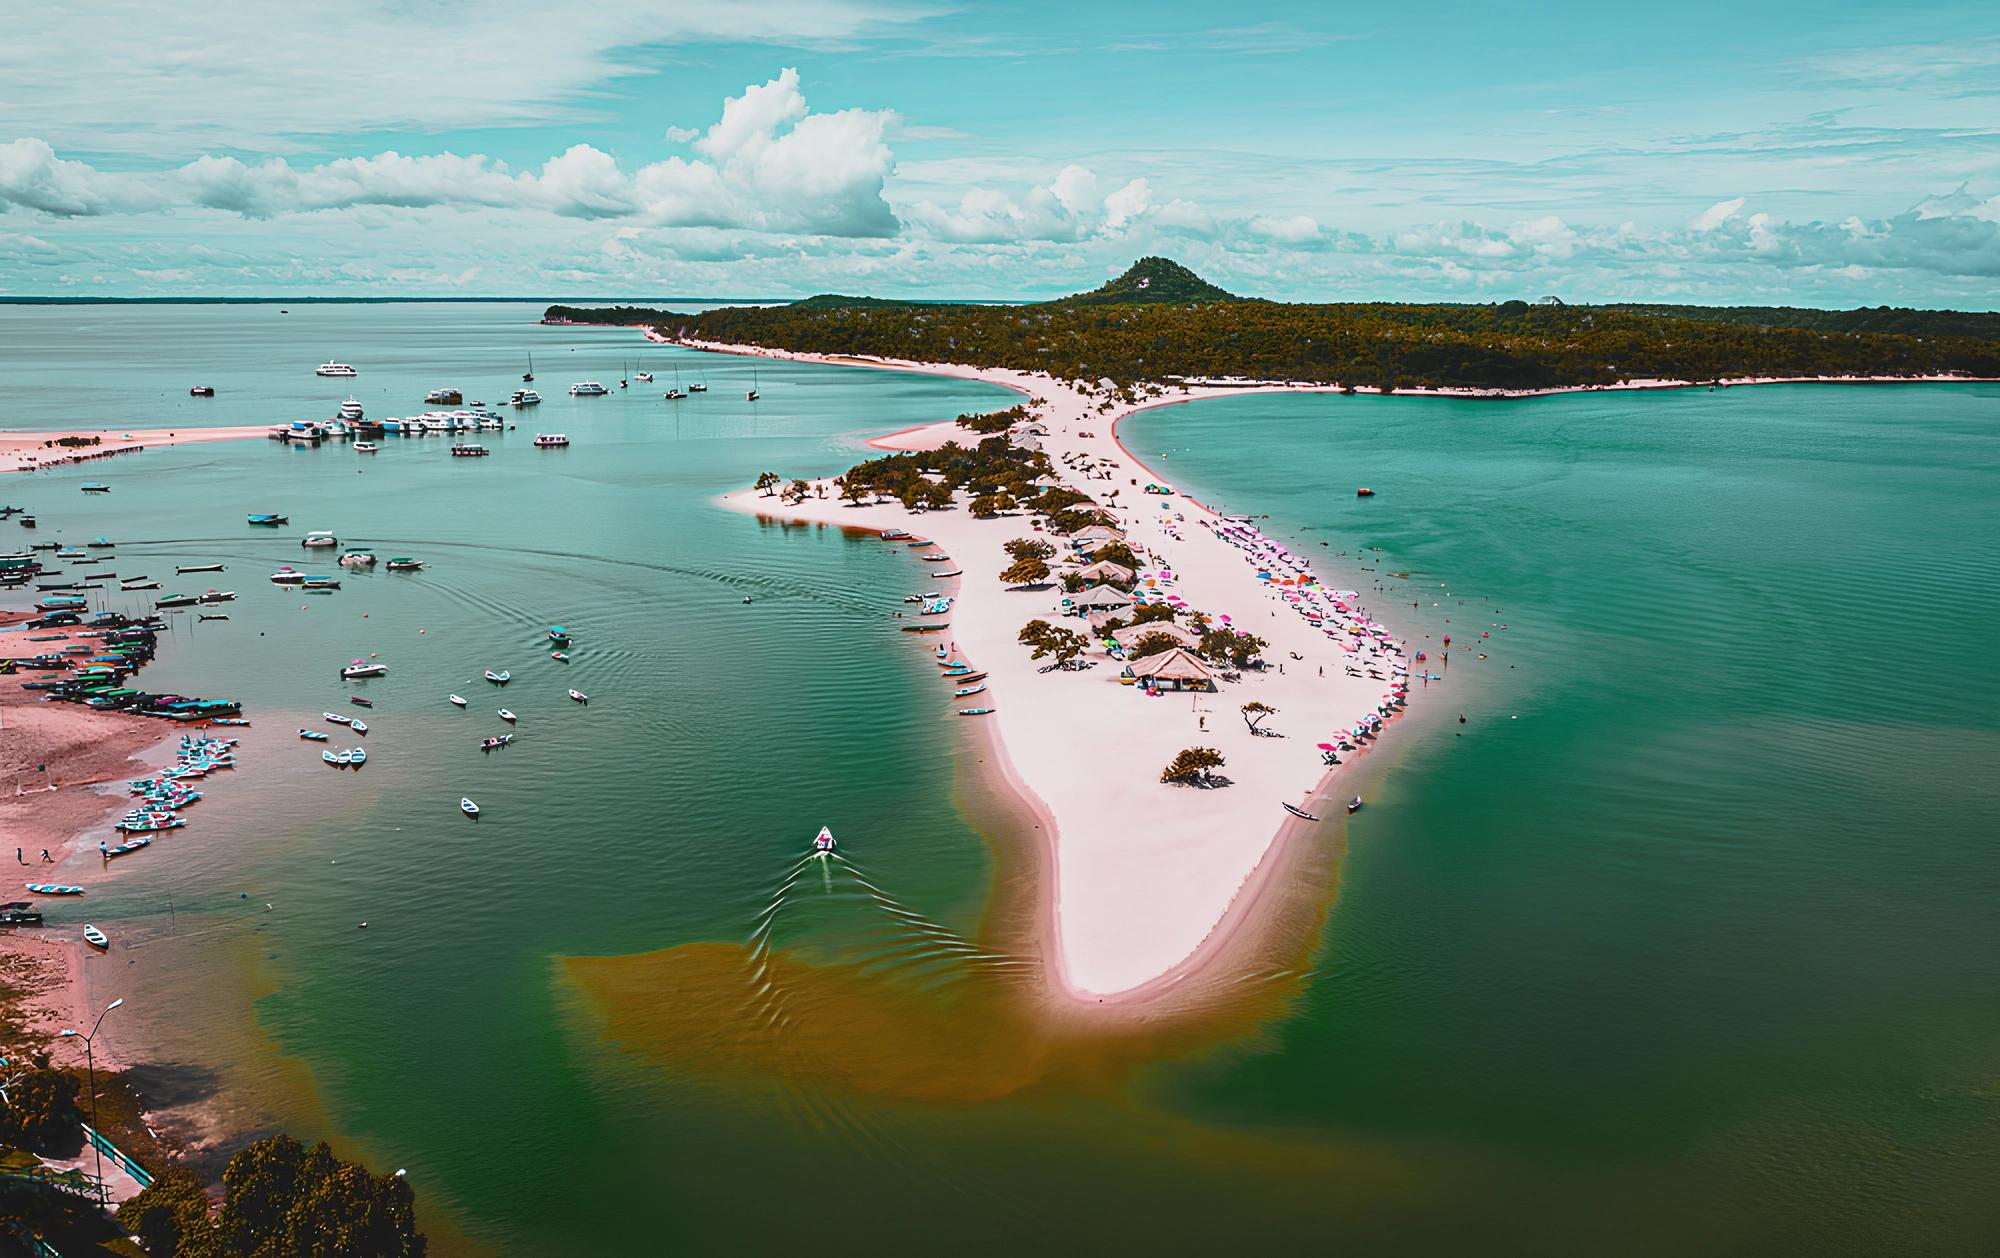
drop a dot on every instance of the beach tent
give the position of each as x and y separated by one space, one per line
1107 571
1131 634
1096 535
1176 668
1102 597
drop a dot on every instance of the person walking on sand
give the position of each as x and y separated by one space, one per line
46 858
19 857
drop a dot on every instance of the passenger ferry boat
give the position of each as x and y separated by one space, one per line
587 388
335 369
550 440
350 410
467 450
525 397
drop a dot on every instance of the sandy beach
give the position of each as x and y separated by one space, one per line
32 451
1145 874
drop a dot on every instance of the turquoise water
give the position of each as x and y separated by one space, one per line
1695 954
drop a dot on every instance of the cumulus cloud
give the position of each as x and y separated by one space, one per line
1069 207
1716 215
771 164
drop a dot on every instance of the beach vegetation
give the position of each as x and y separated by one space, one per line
174 1209
1046 639
1150 613
797 491
39 1106
1255 712
1116 552
853 491
1030 547
1025 571
1151 644
1193 766
995 421
1241 649
767 482
1076 519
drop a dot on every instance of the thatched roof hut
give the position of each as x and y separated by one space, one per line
1101 596
1131 635
1108 571
1176 668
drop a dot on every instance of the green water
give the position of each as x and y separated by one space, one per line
1695 954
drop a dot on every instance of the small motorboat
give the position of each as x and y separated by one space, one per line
456 701
357 757
579 696
1354 805
559 657
403 563
320 538
288 576
95 937
500 678
966 691
1364 493
53 888
271 521
469 808
337 718
365 447
359 727
823 841
644 377
357 559
1300 813
507 716
360 702
313 734
558 634
199 567
321 583
201 390
364 668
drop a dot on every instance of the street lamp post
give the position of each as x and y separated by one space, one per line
90 1066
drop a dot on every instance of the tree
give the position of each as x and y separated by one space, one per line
1151 644
1116 552
984 506
1193 766
171 1217
1047 639
1028 571
1233 645
937 495
853 491
766 481
1148 613
282 1198
39 1106
1254 712
1030 548
797 491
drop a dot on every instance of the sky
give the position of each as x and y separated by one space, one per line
1826 154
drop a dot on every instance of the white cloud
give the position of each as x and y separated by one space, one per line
772 165
1069 207
1716 215
1290 229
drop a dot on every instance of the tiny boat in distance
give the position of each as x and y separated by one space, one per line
199 567
320 537
579 696
644 377
364 668
525 397
500 678
1364 493
312 735
507 716
202 390
697 388
365 447
95 487
469 808
1300 813
673 395
271 521
456 701
550 440
1354 805
337 718
823 841
95 937
587 388
403 563
342 370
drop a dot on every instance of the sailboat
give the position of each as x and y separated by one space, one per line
528 376
624 372
674 394
750 394
699 386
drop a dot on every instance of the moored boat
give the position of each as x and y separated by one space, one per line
320 537
469 808
313 735
1300 813
341 370
508 717
403 563
975 711
271 521
550 440
202 390
1354 805
579 696
456 701
364 668
967 691
500 678
337 718
95 937
199 567
365 447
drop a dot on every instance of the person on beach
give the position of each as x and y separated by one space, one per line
19 857
46 858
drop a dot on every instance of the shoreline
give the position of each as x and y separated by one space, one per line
25 449
1127 917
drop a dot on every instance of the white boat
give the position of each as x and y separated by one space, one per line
673 395
456 701
365 447
469 808
579 696
350 410
823 841
288 576
359 727
525 397
357 559
361 668
698 388
335 369
320 538
500 678
95 937
587 388
337 718
507 716
550 440
645 377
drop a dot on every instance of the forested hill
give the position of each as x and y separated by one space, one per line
1151 282
1512 345
1902 319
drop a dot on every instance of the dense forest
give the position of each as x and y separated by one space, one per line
1511 345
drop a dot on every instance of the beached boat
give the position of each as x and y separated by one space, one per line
53 888
500 678
320 537
95 937
199 567
469 808
456 701
337 718
507 716
403 563
364 668
975 711
270 521
365 447
965 678
129 846
894 535
823 841
964 692
587 388
924 628
342 370
313 735
359 727
1297 812
579 696
550 440
202 390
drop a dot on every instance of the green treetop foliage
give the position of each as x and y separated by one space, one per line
995 421
40 1107
1193 765
1111 334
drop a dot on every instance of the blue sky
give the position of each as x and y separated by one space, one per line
1826 154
